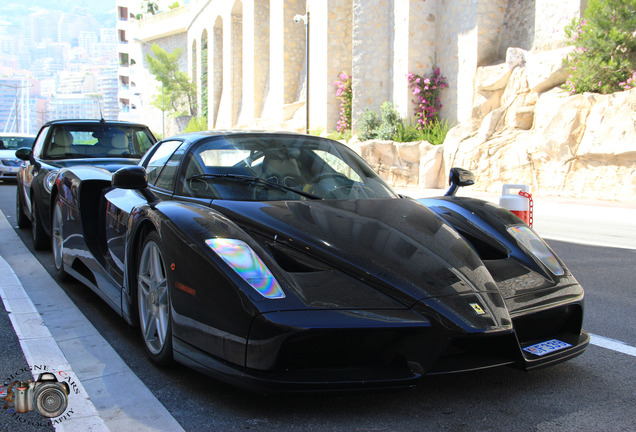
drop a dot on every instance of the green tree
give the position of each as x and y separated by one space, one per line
151 6
178 93
605 40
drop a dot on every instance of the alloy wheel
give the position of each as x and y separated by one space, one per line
152 284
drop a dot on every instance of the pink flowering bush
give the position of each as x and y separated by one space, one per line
345 94
605 47
629 84
426 90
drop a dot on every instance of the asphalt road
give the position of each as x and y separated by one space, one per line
593 392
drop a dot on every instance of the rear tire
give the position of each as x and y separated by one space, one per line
20 215
40 239
57 240
153 300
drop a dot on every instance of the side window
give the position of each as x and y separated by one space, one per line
39 144
169 172
338 165
159 158
143 141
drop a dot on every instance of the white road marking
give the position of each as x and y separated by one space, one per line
584 242
613 345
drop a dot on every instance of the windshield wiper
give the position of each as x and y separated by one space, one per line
257 180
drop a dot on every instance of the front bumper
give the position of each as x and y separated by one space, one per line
305 351
8 172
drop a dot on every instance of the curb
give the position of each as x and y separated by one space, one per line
52 329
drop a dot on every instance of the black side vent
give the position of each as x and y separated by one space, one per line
294 261
485 250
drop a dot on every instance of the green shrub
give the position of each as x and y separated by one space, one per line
368 125
340 136
435 132
407 132
383 126
389 122
316 131
390 126
605 42
196 124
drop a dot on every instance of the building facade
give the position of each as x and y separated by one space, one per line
262 59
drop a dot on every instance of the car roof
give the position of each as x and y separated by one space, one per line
93 121
16 135
194 136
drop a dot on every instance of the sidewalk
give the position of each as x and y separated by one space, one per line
53 333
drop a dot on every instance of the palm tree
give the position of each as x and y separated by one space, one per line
152 7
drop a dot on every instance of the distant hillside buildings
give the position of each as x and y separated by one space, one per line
56 65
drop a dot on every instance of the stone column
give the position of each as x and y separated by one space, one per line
457 48
550 22
287 55
215 60
413 48
330 55
249 59
256 58
236 60
371 55
224 38
261 54
491 21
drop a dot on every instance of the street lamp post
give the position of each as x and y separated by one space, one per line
305 20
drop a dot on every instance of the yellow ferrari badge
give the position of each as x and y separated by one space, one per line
478 308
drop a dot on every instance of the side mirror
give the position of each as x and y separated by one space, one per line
130 177
457 178
24 153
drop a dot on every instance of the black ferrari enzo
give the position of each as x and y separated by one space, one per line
282 262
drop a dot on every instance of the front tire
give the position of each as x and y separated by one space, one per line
153 300
40 239
57 240
20 215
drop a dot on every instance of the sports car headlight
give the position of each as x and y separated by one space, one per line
244 261
536 247
49 180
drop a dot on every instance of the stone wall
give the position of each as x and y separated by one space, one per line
258 68
524 129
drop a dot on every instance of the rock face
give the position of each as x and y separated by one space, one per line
405 164
526 130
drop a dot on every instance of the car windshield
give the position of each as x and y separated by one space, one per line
279 167
98 140
15 142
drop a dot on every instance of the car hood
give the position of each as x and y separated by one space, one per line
395 245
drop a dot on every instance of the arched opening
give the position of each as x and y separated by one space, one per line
261 55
